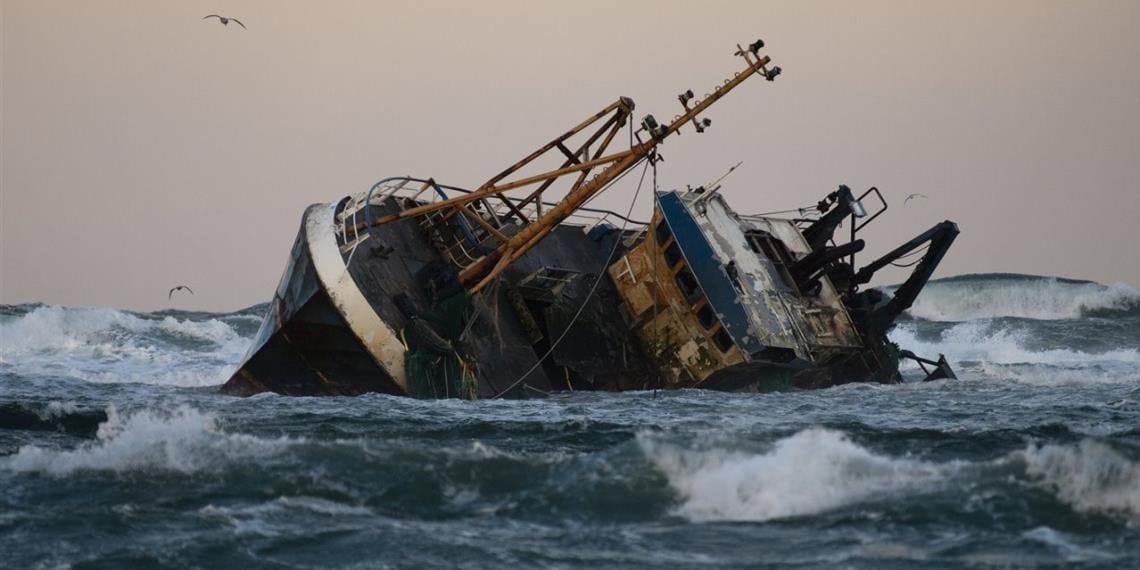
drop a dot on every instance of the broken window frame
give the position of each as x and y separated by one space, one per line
691 292
773 249
723 340
662 232
706 315
673 256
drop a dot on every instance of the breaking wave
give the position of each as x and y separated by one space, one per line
110 345
819 470
981 341
1090 477
810 472
988 349
184 440
984 296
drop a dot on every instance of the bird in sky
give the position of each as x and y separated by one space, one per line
170 295
226 21
912 196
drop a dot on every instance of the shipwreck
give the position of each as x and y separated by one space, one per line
425 289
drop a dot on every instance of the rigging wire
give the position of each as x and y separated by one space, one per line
656 323
911 254
905 265
589 295
480 295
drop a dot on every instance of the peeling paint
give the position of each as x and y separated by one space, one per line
777 316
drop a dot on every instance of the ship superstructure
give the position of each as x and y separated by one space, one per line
430 290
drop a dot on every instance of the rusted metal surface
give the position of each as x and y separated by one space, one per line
621 110
663 318
682 326
479 274
708 298
482 271
780 315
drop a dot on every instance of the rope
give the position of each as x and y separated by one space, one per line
480 296
479 302
913 253
656 254
589 295
905 265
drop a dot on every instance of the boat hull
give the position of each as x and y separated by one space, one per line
350 320
319 337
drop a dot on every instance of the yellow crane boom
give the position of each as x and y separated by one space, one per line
580 161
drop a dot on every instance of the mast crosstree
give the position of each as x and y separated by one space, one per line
518 225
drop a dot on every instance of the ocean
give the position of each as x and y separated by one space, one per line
116 450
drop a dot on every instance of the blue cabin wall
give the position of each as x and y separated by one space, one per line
709 271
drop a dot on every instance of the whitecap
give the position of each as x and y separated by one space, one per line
184 440
1090 476
813 471
987 342
989 296
111 346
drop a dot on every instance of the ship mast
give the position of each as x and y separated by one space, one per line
482 271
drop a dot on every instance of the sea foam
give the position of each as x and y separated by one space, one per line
988 296
813 471
818 470
184 440
109 345
982 341
1090 477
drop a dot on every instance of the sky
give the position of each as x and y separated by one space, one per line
144 147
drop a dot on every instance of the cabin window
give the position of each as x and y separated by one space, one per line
774 250
706 316
771 247
662 232
723 340
672 254
688 284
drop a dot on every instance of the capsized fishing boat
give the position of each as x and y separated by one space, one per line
430 290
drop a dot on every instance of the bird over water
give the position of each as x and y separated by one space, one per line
225 21
170 294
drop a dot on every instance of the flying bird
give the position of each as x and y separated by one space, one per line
226 21
912 196
170 295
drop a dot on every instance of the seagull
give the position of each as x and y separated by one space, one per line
226 21
912 196
178 288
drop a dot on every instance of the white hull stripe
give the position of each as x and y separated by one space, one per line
377 337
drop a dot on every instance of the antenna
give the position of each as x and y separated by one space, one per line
535 223
725 175
708 190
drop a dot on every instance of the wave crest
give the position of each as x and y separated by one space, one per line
994 343
1090 477
184 440
990 296
813 471
110 345
818 470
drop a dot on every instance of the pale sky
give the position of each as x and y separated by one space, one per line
144 147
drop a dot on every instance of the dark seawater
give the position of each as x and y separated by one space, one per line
117 451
